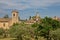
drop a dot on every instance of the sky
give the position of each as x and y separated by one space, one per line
28 8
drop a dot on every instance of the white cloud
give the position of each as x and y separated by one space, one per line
43 3
2 11
13 5
16 4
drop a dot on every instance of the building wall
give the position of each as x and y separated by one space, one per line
4 25
15 17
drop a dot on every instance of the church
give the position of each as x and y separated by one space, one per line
5 23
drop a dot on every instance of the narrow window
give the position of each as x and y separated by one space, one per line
13 14
4 24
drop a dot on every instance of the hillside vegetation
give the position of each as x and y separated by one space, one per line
47 29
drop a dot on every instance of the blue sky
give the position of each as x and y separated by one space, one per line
28 8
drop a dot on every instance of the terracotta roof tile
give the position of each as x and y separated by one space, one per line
5 19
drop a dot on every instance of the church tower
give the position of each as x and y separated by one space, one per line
15 16
37 16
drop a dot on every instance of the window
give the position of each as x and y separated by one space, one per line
4 24
13 14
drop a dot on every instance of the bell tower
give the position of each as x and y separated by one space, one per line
15 16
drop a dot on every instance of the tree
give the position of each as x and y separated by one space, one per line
49 24
6 16
30 17
46 26
14 30
21 31
1 31
56 34
35 26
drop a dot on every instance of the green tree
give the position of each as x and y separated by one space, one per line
46 26
14 30
35 27
1 31
6 16
30 17
56 34
49 24
21 31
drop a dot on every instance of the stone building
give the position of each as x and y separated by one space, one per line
7 22
56 18
34 19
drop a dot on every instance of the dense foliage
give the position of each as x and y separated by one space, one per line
47 28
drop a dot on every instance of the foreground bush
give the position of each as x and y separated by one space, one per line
2 32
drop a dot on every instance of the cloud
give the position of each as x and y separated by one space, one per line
2 12
24 4
43 3
27 6
12 5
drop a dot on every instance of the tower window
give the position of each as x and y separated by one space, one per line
13 14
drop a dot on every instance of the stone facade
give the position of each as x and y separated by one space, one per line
7 22
56 18
34 19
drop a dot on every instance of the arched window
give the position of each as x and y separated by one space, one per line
13 14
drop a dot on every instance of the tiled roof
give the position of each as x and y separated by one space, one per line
15 11
5 19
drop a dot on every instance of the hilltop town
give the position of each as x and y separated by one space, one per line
35 28
7 22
